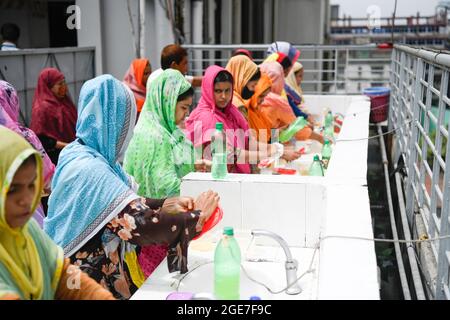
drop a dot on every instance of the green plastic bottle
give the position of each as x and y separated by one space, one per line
227 267
328 132
219 168
316 168
295 126
328 119
326 153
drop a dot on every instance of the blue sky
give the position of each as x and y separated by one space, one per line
357 8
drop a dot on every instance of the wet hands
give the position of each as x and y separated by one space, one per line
203 165
207 203
178 205
290 154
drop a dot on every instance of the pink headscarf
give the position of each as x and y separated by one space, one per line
207 115
9 104
9 117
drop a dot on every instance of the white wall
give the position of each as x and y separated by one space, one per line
90 33
105 24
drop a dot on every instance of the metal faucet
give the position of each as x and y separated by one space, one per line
290 264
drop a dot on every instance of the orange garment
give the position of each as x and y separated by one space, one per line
242 68
133 79
89 289
275 107
257 120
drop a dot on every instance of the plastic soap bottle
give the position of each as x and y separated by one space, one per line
328 120
227 267
326 153
316 168
219 153
296 126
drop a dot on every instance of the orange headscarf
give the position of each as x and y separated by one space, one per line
256 119
133 79
275 107
242 68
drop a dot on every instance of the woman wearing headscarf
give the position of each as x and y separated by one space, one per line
276 108
245 75
104 233
286 48
136 79
54 115
32 266
216 105
288 93
257 120
159 155
9 111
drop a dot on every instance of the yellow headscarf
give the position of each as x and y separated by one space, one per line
292 82
242 68
18 252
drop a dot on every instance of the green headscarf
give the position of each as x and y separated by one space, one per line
159 154
30 263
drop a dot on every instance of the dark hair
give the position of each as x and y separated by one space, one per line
188 93
10 32
172 53
223 76
30 160
286 63
256 76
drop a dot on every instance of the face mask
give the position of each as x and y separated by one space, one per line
62 91
246 93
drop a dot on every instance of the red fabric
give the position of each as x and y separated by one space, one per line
52 117
150 257
211 222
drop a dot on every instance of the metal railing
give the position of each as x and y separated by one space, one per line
418 108
21 68
327 69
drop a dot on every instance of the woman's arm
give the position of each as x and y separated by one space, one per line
77 285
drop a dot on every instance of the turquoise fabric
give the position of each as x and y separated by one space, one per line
90 187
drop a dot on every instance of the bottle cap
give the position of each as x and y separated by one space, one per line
255 298
219 125
228 231
326 141
316 158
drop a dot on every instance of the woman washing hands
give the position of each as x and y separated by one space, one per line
105 234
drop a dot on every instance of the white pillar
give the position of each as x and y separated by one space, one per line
90 33
197 34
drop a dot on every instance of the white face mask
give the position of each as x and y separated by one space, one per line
121 155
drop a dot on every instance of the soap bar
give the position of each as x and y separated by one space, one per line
180 296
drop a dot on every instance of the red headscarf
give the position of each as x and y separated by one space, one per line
133 79
52 117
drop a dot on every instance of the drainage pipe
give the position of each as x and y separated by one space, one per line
417 280
398 254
